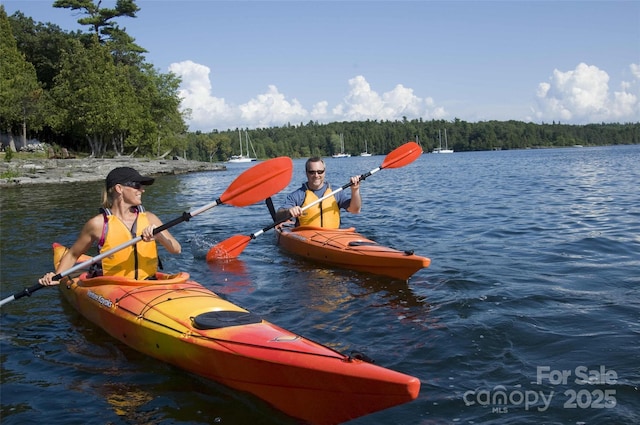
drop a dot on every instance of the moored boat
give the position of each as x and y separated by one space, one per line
348 249
440 149
342 153
366 149
178 321
244 158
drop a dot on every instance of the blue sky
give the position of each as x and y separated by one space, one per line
269 63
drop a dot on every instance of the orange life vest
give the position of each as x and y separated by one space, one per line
322 214
139 261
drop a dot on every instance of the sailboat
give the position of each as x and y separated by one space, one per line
420 144
241 157
366 151
342 154
446 146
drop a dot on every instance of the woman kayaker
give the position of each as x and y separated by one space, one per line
122 218
325 213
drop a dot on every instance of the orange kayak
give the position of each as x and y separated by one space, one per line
178 321
348 249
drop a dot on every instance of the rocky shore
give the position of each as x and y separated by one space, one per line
47 171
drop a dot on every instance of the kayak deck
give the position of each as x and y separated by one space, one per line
178 321
348 249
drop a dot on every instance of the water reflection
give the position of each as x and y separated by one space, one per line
126 400
230 277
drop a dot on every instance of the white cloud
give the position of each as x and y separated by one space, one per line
578 96
320 110
582 96
361 102
272 108
196 95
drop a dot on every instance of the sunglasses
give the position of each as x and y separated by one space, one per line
135 185
318 172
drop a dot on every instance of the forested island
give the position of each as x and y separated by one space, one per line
93 94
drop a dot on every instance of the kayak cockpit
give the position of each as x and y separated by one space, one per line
223 319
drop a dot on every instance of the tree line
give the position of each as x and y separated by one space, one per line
94 93
314 139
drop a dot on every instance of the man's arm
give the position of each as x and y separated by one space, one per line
291 207
356 201
282 214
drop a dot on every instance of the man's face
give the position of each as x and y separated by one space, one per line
315 175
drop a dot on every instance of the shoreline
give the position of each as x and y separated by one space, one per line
50 171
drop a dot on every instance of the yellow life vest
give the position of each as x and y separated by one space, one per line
322 214
138 261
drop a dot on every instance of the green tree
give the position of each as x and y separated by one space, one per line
93 100
164 124
101 19
129 120
41 44
21 97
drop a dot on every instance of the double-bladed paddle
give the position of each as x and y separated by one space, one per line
232 247
253 185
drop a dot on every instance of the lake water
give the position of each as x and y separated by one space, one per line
528 314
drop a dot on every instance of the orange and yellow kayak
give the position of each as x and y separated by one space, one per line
178 321
348 249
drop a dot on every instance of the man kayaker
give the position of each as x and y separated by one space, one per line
122 218
325 213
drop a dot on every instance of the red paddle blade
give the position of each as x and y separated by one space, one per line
229 248
259 182
402 155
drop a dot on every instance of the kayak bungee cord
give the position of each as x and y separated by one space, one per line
199 333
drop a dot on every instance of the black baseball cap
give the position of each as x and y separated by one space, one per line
122 175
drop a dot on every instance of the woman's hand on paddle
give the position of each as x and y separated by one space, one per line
47 280
164 237
147 233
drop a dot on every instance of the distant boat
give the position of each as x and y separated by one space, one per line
342 154
446 147
241 157
366 150
420 144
